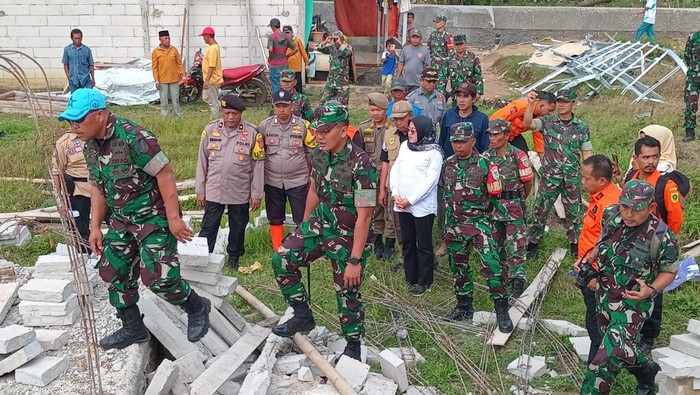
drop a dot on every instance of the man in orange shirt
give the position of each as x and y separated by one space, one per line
295 57
514 113
167 72
596 178
647 151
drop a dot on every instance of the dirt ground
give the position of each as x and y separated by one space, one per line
495 87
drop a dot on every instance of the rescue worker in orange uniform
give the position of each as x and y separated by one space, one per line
514 112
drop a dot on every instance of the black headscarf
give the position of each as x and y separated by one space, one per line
426 135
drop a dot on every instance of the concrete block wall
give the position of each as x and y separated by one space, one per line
121 30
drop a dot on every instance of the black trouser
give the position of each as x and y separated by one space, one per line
519 142
299 86
238 217
417 246
81 204
652 326
276 203
591 323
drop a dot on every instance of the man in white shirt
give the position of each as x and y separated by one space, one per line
647 26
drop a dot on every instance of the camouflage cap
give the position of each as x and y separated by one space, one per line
462 131
498 126
338 34
398 83
637 194
430 74
439 18
566 95
459 39
329 116
287 75
415 32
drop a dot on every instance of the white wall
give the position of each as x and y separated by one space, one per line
121 30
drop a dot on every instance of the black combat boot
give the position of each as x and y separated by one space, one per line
645 374
573 247
302 321
517 287
197 309
233 263
132 331
505 325
463 310
646 344
689 135
378 247
532 251
389 245
352 350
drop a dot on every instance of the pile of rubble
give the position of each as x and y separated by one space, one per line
13 233
20 351
680 363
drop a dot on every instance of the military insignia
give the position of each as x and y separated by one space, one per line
71 151
212 153
76 143
295 151
223 103
216 134
271 141
368 130
203 135
143 146
512 111
675 198
295 142
221 124
392 140
240 127
213 146
244 138
78 149
241 157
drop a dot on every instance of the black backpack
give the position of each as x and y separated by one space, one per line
681 181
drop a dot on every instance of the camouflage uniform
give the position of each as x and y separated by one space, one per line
624 254
123 165
300 102
338 82
458 70
344 182
692 79
467 222
508 173
439 45
560 173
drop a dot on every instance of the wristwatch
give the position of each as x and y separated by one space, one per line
353 261
654 291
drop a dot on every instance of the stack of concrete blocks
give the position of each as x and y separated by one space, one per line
203 270
12 233
680 363
57 266
20 349
48 303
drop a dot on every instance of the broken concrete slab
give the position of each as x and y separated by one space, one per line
353 371
223 327
694 326
194 252
27 308
564 328
41 371
582 346
394 368
13 337
13 233
336 344
421 390
164 329
680 366
527 367
688 343
377 384
322 389
304 375
669 386
409 355
211 279
215 265
53 263
51 320
229 388
190 367
290 364
224 287
163 380
18 358
45 290
8 296
52 339
484 318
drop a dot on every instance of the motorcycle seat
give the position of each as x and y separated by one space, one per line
242 73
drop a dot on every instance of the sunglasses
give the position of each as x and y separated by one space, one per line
81 120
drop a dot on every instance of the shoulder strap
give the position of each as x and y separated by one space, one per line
661 228
659 197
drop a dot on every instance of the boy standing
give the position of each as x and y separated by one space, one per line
389 60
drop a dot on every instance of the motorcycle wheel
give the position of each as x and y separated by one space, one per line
253 93
189 94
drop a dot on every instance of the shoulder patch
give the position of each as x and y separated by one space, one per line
512 111
675 197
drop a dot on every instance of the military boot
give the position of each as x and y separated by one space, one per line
505 325
463 310
517 287
378 247
645 374
573 247
352 350
532 251
132 331
233 263
197 309
689 135
646 344
389 248
302 321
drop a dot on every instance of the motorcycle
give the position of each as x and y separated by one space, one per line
191 87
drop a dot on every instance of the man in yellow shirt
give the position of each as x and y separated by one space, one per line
295 57
211 71
167 72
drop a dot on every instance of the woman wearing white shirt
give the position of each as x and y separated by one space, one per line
413 180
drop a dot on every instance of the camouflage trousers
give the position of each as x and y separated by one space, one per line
312 240
154 259
620 321
476 233
549 187
510 238
690 94
339 93
441 67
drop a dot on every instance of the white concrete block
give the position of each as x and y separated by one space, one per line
582 346
8 296
484 318
421 390
41 371
163 380
229 388
191 367
527 367
694 327
680 367
221 241
394 368
564 328
688 343
126 20
322 389
409 355
696 383
195 252
27 308
43 290
337 344
51 320
45 9
52 339
94 20
18 358
13 337
290 364
224 287
304 374
215 265
109 9
200 277
353 371
377 384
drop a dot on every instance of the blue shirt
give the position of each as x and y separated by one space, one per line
79 61
389 65
390 109
477 118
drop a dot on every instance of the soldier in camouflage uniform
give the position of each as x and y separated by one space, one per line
467 223
462 66
692 84
302 104
637 258
566 139
130 174
342 197
338 82
509 184
440 46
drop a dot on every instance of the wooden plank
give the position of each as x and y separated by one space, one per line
223 368
8 294
517 311
691 245
694 252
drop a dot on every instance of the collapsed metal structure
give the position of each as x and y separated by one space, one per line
610 65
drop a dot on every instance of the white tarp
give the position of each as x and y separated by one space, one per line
130 85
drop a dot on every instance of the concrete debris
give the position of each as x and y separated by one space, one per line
322 389
353 371
41 371
582 346
409 355
194 252
51 320
12 233
224 287
336 344
190 367
694 327
394 368
377 384
564 328
669 386
289 364
421 390
229 388
163 380
44 290
688 343
27 308
527 367
484 318
304 374
51 339
319 336
7 271
679 365
10 362
14 337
